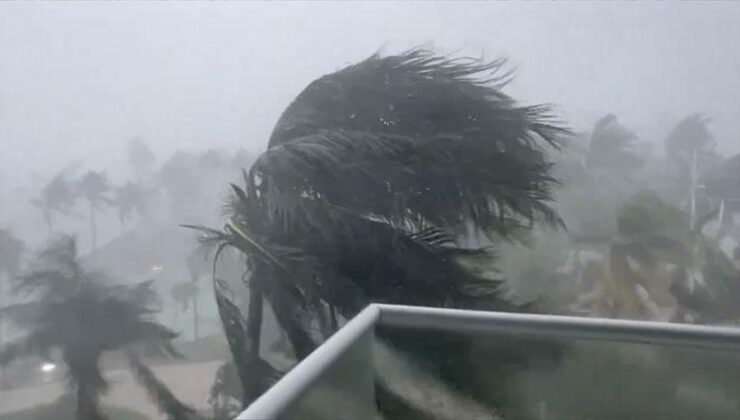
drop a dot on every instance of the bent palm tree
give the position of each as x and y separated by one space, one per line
612 146
57 197
373 179
654 251
75 313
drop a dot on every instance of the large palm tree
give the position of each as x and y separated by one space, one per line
94 187
74 312
373 179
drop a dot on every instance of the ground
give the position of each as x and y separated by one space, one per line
189 381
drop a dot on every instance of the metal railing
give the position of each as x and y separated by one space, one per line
357 337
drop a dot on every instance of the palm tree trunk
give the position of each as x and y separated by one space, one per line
83 367
254 321
93 230
47 220
692 214
251 388
333 318
87 402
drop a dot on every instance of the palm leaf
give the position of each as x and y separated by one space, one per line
158 392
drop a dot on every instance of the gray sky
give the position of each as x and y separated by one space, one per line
80 79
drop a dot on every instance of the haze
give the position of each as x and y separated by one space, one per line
79 80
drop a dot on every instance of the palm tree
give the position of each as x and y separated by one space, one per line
612 146
129 198
657 267
11 252
373 179
76 313
93 186
690 134
721 185
688 145
58 196
184 294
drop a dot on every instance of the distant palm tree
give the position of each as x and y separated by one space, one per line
185 294
612 146
76 312
94 187
657 267
373 179
57 197
721 185
690 134
689 146
129 198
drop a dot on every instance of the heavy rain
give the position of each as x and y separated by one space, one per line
534 207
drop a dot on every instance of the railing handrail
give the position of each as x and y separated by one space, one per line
294 383
302 376
558 326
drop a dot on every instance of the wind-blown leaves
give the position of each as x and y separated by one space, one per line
612 146
73 311
690 134
373 178
165 400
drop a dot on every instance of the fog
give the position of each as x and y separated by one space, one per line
80 80
145 112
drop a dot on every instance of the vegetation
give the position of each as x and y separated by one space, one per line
371 186
76 313
57 197
409 179
94 188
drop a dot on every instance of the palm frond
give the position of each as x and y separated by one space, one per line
22 314
167 403
235 331
433 131
445 180
36 343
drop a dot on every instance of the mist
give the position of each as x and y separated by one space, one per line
80 80
134 138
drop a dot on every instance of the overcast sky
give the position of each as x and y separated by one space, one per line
78 80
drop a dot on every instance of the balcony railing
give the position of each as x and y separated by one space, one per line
524 366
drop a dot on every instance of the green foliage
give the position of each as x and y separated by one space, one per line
74 311
690 134
129 198
57 197
612 146
373 178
